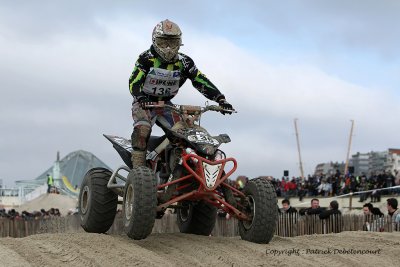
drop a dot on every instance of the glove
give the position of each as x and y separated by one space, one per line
144 102
225 105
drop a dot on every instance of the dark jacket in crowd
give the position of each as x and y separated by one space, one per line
334 210
290 210
311 211
327 213
376 211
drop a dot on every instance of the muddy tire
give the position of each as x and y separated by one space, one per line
197 218
261 204
140 203
97 204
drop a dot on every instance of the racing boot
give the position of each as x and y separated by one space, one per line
140 136
138 158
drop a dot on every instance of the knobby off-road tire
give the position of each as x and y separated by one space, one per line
97 204
262 202
198 218
140 203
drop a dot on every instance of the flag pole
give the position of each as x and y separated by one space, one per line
298 149
346 166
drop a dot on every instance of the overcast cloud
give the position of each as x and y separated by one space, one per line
64 69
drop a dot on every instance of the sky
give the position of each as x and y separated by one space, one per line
65 65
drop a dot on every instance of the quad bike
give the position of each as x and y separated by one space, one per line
185 171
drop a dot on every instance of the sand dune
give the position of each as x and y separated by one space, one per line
48 201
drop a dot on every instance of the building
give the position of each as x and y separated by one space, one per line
360 163
330 168
68 174
387 161
365 163
377 162
392 160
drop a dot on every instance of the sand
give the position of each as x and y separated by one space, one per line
85 249
47 201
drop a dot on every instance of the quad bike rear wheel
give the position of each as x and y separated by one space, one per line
260 205
97 204
197 218
140 203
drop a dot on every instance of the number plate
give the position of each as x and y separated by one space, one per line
202 138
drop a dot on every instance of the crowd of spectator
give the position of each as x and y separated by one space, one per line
336 185
374 217
25 215
315 209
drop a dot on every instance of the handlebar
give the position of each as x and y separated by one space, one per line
188 109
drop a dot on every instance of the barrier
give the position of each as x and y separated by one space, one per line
350 197
287 225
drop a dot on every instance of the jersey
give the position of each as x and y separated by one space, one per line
160 81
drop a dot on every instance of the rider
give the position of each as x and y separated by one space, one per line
158 74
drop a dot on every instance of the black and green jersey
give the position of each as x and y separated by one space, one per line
159 80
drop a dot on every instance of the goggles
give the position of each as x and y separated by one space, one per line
168 42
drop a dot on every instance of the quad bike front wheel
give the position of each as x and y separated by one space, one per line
196 218
97 203
140 203
260 206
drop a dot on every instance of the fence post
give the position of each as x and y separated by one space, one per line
351 201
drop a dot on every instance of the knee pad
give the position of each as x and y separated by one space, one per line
140 136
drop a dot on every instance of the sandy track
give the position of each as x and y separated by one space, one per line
84 249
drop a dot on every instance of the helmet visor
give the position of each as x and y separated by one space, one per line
168 42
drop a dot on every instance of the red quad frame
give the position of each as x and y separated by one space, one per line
204 192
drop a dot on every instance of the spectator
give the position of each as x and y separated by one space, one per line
290 213
333 216
3 213
397 181
37 215
333 209
363 187
376 194
389 181
13 214
286 187
45 214
314 209
57 212
369 209
373 218
287 209
323 188
26 215
50 183
394 213
292 187
302 191
51 211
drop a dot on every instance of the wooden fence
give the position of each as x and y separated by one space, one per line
23 228
287 225
295 225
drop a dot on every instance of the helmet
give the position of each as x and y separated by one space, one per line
167 39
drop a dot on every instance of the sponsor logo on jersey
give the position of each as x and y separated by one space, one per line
163 74
162 82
